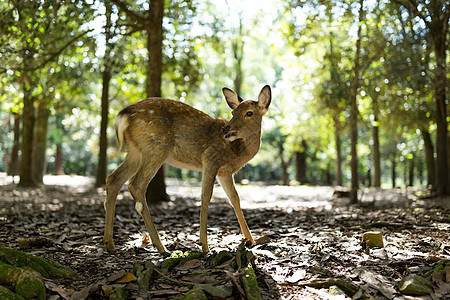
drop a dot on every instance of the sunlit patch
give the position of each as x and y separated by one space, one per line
138 240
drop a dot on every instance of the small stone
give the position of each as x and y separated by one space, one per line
334 290
373 239
415 285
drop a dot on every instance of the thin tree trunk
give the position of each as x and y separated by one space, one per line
411 172
393 172
156 190
40 148
337 140
106 78
376 145
102 159
354 111
284 165
238 52
13 167
429 158
237 45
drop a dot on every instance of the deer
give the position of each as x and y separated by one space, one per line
159 130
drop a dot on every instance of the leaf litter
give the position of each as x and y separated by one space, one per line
308 243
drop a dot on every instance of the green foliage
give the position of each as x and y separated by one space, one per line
303 49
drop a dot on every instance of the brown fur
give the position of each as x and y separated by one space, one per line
158 130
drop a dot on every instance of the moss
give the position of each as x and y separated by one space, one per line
26 283
45 267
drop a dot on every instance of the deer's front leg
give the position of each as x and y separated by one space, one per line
208 178
227 183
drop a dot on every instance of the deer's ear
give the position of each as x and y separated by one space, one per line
264 98
232 98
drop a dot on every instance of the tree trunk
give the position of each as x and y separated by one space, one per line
429 158
237 44
13 167
59 169
376 145
27 145
103 143
300 164
284 165
411 172
393 172
106 78
405 173
156 190
337 140
439 36
238 52
40 148
328 175
354 111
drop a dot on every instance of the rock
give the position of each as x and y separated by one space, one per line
415 285
373 239
334 290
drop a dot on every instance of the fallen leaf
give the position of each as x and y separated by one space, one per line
145 238
190 264
128 277
117 275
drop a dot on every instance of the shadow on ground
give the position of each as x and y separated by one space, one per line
302 234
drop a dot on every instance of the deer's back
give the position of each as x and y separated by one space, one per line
183 131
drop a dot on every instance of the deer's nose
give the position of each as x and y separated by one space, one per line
225 129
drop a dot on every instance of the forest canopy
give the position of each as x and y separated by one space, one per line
360 93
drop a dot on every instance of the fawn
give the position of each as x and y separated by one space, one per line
158 130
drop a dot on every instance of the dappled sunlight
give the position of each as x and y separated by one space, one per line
303 234
262 196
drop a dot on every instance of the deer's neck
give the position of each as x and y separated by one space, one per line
247 149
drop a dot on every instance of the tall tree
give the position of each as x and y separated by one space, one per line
150 22
376 142
106 79
354 109
180 55
32 35
435 15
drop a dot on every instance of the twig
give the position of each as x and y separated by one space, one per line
174 280
232 277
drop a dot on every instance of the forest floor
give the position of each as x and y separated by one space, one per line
308 241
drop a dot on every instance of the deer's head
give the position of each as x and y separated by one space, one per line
247 115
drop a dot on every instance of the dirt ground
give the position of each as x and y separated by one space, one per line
308 241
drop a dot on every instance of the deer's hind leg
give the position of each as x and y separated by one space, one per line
114 183
138 186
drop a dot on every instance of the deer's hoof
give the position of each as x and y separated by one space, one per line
110 246
205 248
249 243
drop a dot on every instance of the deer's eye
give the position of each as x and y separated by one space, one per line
249 114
